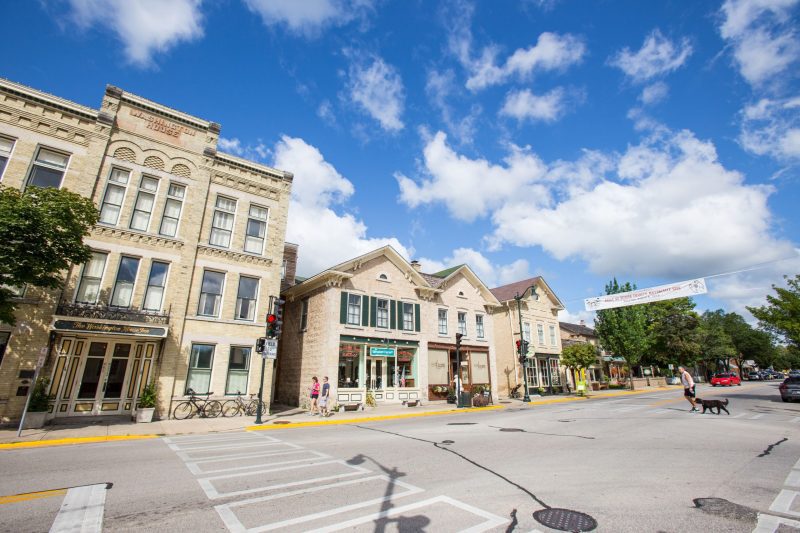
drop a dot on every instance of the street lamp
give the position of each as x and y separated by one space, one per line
523 344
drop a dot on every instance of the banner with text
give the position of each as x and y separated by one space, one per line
643 296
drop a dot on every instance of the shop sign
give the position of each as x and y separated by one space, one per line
381 351
110 329
405 356
350 350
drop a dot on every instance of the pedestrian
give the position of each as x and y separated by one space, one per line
688 387
314 395
325 396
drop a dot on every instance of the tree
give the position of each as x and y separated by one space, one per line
674 330
578 356
41 235
717 344
623 330
750 343
781 315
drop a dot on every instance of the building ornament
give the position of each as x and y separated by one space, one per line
136 237
239 257
246 185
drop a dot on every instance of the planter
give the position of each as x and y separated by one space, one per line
35 420
145 414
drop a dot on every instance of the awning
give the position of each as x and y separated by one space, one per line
105 328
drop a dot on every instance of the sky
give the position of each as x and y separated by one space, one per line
653 142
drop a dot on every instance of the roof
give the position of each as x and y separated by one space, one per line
505 293
432 279
444 273
578 329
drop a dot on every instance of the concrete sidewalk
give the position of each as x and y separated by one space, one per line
75 431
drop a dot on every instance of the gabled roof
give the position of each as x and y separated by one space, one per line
444 273
506 293
578 329
440 279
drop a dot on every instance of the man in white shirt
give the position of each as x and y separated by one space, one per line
688 387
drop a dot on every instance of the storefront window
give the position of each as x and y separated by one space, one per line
349 355
406 368
238 370
200 362
383 314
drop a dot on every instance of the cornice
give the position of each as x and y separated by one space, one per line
136 237
246 185
239 257
62 104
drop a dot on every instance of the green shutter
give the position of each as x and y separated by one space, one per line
343 309
364 310
400 322
416 317
373 311
392 315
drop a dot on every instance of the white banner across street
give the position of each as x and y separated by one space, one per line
643 296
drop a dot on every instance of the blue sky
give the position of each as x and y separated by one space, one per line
651 141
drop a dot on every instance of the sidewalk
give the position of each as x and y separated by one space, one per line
75 431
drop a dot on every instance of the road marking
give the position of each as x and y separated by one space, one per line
783 502
740 415
230 446
25 496
793 479
492 520
770 524
66 442
81 510
756 417
199 472
795 420
185 456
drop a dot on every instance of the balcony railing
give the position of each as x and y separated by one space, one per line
109 312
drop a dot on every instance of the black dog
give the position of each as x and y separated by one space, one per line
711 404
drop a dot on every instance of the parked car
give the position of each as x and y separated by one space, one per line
766 375
778 375
725 379
794 373
755 376
790 389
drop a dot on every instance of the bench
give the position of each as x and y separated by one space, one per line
350 406
411 403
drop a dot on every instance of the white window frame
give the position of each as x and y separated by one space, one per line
220 230
8 154
37 163
353 309
442 319
241 372
254 300
479 331
162 287
209 370
462 324
408 325
257 220
132 283
175 199
526 331
540 333
84 277
140 192
382 315
116 184
553 341
218 304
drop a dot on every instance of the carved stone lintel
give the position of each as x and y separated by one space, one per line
136 237
239 257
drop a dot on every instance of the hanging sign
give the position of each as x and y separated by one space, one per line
378 351
642 296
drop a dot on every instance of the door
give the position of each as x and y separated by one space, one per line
101 379
544 374
376 373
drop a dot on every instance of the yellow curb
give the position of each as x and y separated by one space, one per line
31 496
370 419
557 400
75 440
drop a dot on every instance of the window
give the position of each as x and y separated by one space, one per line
143 207
526 331
154 295
382 314
6 145
349 355
479 326
115 194
552 335
442 321
89 286
238 369
48 169
408 316
222 223
354 309
283 269
172 210
126 277
304 315
256 230
200 361
462 323
540 333
211 293
246 298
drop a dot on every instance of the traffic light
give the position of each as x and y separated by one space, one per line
271 323
261 344
277 310
458 340
524 347
519 347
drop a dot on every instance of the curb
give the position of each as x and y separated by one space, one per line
67 442
267 427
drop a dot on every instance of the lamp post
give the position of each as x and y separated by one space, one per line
459 402
523 357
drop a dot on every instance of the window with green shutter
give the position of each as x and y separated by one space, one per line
392 314
343 309
416 318
365 310
373 311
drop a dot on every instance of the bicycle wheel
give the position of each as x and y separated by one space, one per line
230 408
253 406
183 411
212 409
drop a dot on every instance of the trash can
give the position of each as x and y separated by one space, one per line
464 399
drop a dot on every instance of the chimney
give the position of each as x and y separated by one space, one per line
582 322
416 266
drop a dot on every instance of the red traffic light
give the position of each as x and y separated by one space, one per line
271 319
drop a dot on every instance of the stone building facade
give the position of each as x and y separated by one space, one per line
186 257
376 325
581 333
539 311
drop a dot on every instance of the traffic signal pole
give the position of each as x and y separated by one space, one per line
523 356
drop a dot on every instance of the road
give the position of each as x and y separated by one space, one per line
632 463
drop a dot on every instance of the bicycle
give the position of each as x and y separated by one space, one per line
195 405
237 406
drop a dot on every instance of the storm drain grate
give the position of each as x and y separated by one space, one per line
512 430
281 422
565 520
462 423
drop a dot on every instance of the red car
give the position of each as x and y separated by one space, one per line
725 379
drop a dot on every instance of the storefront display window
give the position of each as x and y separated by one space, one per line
406 368
349 355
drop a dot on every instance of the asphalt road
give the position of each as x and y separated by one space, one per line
634 463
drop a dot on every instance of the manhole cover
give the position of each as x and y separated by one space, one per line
512 430
281 422
723 507
565 520
448 442
462 423
504 402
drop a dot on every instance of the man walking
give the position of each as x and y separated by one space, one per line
325 397
688 387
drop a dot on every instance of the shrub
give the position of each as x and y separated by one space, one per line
39 399
149 396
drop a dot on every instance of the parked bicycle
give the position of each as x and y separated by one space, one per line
195 405
237 406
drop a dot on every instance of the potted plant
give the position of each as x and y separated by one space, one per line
37 407
451 395
147 403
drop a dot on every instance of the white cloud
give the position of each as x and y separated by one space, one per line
308 17
257 152
575 318
325 236
524 105
772 127
551 52
145 27
491 274
325 112
440 87
377 87
654 93
657 56
764 37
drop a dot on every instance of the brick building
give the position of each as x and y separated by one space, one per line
186 255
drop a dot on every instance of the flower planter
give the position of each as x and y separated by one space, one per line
145 414
35 420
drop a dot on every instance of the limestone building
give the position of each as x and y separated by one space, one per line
187 254
377 325
539 312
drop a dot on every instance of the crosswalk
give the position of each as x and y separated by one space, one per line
763 414
260 483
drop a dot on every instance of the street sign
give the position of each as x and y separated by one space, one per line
270 349
378 351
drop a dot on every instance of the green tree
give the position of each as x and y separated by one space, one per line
718 346
578 356
675 333
623 330
781 315
41 235
750 343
